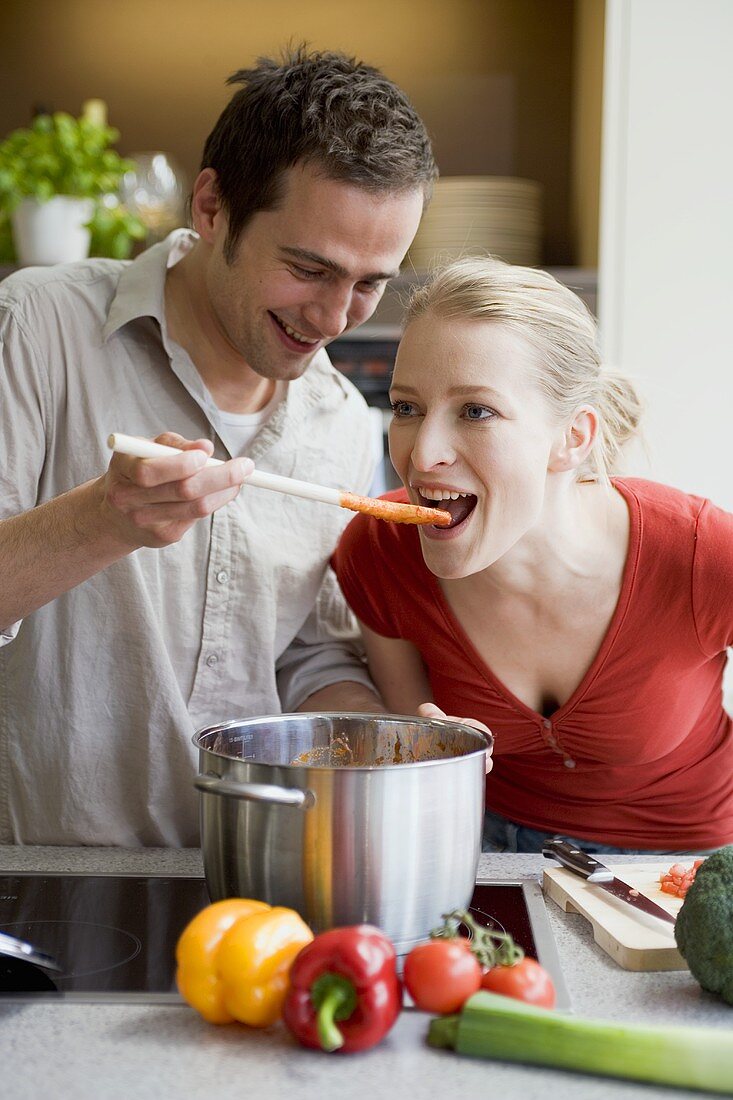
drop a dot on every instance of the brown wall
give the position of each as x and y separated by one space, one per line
492 78
586 134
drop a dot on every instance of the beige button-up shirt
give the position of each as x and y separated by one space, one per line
102 689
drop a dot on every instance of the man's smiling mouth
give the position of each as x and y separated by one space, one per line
306 341
460 505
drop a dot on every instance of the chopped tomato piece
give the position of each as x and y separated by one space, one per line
678 879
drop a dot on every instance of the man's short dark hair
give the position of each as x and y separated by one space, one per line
323 108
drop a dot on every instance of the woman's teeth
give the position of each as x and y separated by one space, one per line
442 494
460 505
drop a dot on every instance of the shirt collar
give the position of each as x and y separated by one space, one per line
140 290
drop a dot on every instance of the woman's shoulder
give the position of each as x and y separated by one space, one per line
379 565
671 510
688 539
655 495
377 542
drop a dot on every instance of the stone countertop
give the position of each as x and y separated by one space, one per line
156 1052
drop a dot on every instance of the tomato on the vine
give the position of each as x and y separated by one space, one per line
441 974
526 980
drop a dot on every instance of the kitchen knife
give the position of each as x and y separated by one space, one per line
600 875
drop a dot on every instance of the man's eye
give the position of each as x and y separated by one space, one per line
306 272
478 412
402 408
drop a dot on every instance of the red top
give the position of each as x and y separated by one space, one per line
641 754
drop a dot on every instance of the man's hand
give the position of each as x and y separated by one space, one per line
154 501
429 710
138 502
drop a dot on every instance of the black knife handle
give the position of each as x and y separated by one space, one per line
575 860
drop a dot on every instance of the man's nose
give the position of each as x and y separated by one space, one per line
330 312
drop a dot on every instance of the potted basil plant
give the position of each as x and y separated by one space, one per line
56 182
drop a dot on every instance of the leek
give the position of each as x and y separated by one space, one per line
492 1026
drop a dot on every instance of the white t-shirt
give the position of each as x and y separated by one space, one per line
243 427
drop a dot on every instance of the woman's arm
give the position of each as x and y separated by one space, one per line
401 678
398 672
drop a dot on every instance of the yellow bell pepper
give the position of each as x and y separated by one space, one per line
234 958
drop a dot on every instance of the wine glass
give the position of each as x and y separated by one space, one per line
155 191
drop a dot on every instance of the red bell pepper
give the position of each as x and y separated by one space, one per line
344 993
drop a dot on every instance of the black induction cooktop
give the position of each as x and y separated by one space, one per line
113 936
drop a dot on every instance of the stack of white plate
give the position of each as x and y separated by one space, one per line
476 215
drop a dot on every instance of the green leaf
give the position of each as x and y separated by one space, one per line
114 230
120 246
7 245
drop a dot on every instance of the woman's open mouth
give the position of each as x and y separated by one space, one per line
460 506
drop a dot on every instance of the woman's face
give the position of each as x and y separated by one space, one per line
470 419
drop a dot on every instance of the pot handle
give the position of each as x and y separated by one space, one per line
255 792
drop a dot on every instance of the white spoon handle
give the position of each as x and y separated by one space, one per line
146 448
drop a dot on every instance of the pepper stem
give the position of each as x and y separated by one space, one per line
334 998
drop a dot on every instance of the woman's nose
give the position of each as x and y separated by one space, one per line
432 446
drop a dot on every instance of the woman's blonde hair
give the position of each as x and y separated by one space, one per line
561 328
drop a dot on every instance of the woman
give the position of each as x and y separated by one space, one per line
584 618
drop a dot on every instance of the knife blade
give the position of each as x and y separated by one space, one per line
599 875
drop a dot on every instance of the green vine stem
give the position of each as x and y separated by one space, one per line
491 947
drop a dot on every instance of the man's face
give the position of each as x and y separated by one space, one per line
308 271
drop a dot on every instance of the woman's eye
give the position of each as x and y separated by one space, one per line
478 412
402 408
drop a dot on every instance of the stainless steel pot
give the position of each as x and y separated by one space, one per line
344 817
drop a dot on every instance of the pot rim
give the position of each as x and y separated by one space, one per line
482 747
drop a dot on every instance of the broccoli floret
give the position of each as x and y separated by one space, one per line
704 928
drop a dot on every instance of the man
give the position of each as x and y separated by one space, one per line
156 598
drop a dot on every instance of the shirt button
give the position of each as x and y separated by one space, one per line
212 660
222 576
568 762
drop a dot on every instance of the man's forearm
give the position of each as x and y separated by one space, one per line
52 548
348 696
138 502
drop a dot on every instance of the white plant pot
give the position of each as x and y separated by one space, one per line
52 232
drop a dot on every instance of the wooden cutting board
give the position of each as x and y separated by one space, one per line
633 939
